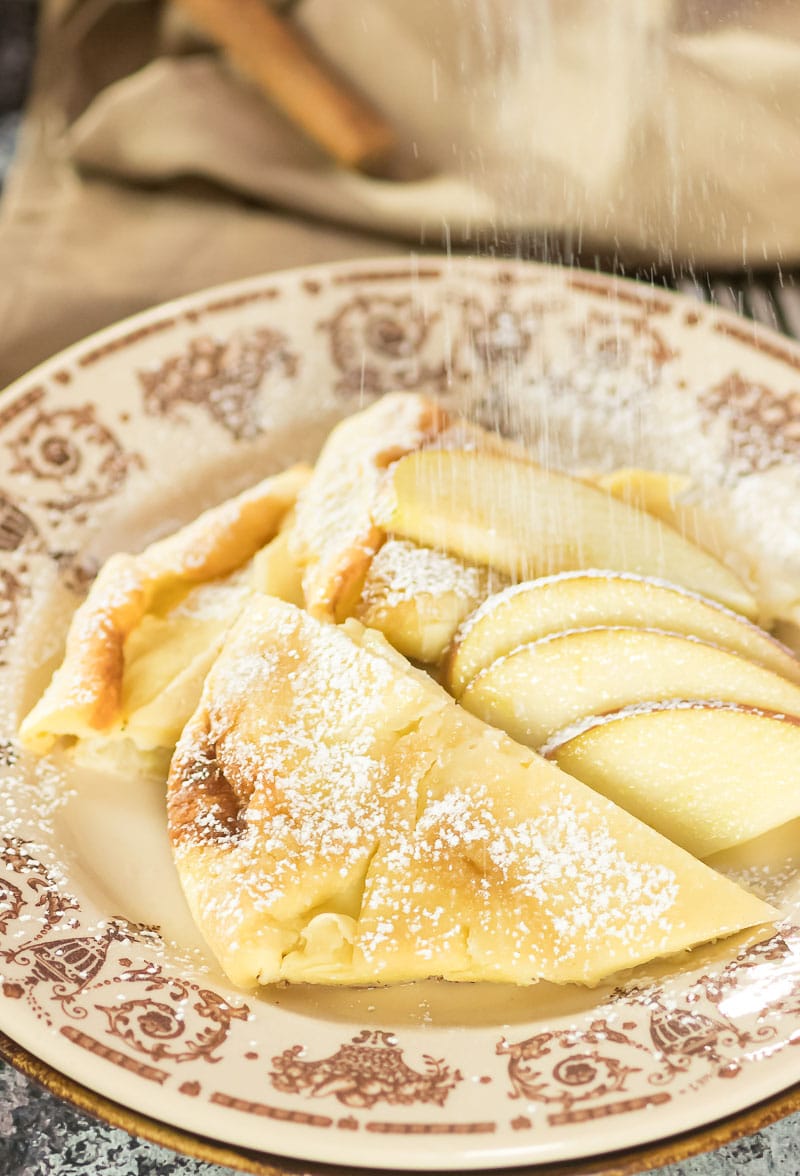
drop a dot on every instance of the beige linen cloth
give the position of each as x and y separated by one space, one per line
664 129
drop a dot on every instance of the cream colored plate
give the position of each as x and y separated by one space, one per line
125 436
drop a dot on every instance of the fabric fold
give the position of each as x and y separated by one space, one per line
148 168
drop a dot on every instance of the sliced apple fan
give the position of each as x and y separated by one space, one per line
539 688
592 598
337 818
528 521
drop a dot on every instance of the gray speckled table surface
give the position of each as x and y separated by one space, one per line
39 1134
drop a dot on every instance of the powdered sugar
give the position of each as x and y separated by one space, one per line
402 571
566 859
364 790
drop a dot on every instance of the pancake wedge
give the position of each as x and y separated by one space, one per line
708 776
528 521
539 688
337 818
88 695
334 536
586 599
274 571
417 597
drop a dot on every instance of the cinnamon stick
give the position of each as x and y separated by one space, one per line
290 71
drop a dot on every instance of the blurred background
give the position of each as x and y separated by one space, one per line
173 144
17 28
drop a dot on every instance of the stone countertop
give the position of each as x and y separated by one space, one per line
42 1136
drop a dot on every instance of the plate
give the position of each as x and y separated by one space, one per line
125 436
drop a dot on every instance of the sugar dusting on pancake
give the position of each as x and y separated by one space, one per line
334 537
401 571
85 695
383 834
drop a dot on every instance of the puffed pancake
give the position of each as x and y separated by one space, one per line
140 644
417 597
334 537
337 818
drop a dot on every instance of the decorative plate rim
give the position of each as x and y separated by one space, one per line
758 336
354 273
642 1158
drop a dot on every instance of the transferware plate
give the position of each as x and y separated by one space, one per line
105 980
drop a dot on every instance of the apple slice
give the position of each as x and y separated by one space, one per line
705 775
655 491
527 521
539 688
417 597
576 600
660 495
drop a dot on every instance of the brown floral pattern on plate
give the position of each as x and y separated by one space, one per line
188 1023
763 427
66 967
16 528
384 344
369 1069
68 454
628 341
12 591
33 879
496 335
223 377
195 1018
570 1066
18 534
